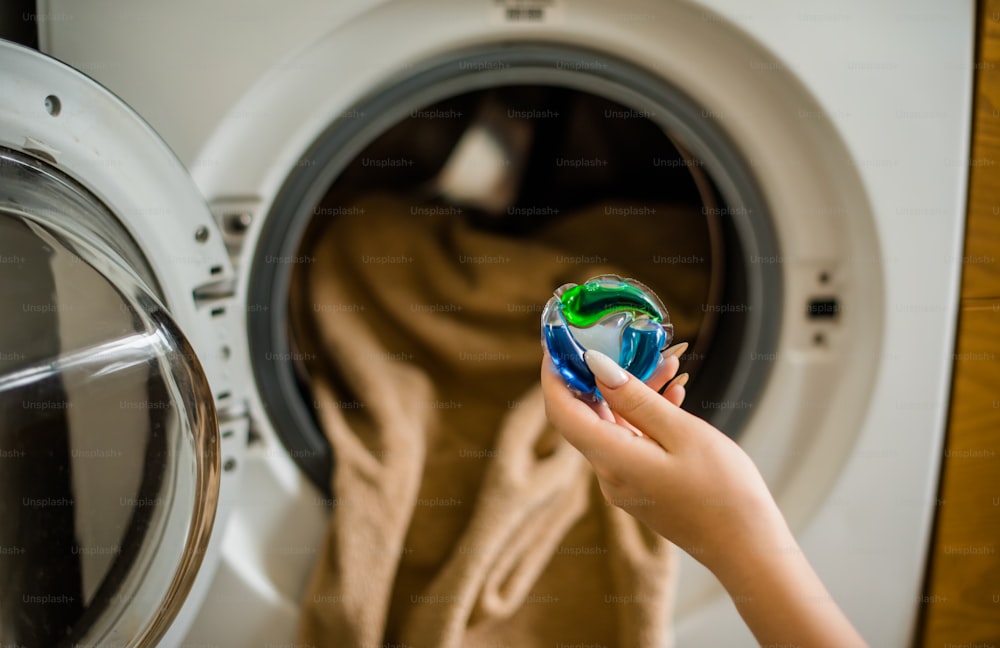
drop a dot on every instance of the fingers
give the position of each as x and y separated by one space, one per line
675 391
675 394
583 424
592 428
668 365
658 418
625 424
673 385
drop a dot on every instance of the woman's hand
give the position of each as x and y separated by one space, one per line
693 485
682 477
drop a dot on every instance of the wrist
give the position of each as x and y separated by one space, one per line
765 565
761 541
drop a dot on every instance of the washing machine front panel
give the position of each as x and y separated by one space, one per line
866 192
817 204
114 393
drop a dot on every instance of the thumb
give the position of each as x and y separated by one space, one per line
634 401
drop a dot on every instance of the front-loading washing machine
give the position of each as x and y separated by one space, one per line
825 148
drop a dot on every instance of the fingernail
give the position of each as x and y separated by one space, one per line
676 350
679 381
605 369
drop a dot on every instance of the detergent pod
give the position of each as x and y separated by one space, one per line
619 317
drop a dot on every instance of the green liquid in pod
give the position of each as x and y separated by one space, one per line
589 303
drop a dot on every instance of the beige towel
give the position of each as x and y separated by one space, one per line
461 517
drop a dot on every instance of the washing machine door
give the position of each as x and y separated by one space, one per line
109 441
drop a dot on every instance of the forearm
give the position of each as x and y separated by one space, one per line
783 601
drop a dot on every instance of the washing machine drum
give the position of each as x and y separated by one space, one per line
109 466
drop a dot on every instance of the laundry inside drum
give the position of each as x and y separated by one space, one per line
459 221
420 194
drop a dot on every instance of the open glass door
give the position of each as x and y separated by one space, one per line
109 441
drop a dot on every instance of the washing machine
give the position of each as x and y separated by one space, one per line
161 161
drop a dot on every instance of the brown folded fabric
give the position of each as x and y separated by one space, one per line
461 518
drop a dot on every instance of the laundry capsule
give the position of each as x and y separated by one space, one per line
619 317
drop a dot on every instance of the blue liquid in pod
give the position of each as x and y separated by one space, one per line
642 342
567 356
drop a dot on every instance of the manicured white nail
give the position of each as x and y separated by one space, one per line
676 350
605 369
680 381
